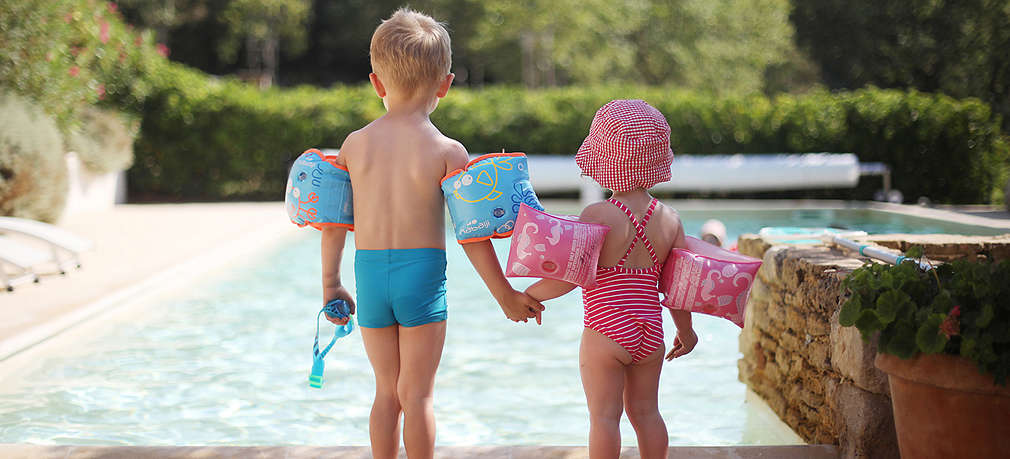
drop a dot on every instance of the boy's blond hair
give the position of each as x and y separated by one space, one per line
410 51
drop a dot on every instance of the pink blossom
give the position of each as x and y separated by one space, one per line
139 40
103 35
163 50
101 91
74 71
112 7
951 326
68 18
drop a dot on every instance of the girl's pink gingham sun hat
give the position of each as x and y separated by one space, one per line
628 146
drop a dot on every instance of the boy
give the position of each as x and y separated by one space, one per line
396 164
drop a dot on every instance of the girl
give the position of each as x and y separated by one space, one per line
627 151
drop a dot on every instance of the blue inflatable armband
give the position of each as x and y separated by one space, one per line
319 192
337 309
484 196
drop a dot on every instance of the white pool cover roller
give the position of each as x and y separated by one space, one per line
740 172
763 172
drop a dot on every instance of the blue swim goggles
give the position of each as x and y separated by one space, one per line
337 309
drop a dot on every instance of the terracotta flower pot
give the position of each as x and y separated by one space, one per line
944 408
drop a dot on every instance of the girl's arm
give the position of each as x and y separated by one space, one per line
548 289
686 338
332 249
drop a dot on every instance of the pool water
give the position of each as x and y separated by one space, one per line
225 361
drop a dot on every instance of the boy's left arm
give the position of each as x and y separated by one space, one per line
516 305
332 249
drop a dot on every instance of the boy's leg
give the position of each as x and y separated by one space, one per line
420 353
601 364
382 347
641 402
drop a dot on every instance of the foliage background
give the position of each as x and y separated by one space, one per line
749 76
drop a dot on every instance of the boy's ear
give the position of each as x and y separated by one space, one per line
443 86
380 90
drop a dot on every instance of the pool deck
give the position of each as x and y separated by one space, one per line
447 452
138 248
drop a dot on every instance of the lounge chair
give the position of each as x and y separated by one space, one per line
21 259
66 247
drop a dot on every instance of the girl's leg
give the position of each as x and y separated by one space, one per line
601 363
641 402
420 353
382 347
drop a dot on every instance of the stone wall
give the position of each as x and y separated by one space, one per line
817 376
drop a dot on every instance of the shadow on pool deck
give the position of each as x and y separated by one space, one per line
354 452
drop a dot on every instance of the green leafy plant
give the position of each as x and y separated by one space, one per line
960 308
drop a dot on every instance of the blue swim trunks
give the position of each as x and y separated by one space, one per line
400 286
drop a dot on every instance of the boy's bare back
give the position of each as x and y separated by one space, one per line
396 164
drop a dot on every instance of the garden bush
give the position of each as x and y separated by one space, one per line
68 55
103 140
220 139
33 173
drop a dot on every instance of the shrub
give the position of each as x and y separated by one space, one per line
33 173
67 55
219 139
103 140
961 308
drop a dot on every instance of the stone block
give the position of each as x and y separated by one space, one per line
868 423
819 353
852 358
771 264
752 245
817 324
795 319
759 291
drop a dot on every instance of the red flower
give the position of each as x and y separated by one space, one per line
951 326
163 50
139 40
103 35
101 91
68 18
74 71
112 7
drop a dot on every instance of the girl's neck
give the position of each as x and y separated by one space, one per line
636 196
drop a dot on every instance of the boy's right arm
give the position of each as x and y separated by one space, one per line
516 305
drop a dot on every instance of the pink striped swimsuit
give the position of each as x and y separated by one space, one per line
625 304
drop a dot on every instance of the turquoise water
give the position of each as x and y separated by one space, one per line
226 360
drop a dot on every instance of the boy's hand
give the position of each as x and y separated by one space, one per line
683 344
520 306
340 293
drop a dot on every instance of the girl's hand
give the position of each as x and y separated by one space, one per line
340 293
683 344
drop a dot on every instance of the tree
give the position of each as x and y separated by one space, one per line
263 24
723 45
959 48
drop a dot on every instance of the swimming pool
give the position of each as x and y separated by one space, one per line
226 360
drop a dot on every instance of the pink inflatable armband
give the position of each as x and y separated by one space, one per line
556 248
708 279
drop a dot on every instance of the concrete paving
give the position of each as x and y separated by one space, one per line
361 452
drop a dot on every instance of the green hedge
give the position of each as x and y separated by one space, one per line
221 139
33 173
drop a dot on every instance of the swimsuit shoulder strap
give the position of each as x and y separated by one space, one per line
639 230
